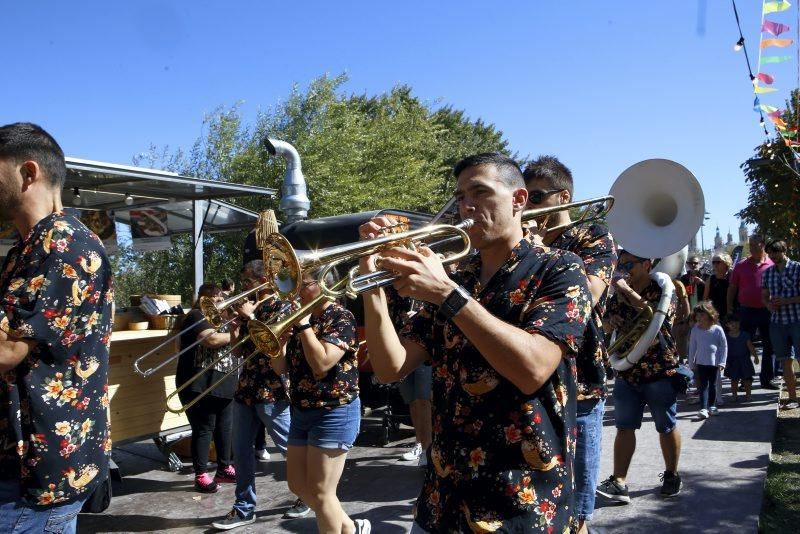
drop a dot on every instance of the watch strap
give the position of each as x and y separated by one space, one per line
453 303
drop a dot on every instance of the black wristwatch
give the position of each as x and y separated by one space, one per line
453 303
303 327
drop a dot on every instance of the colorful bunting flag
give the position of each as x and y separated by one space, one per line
766 108
778 123
774 28
766 78
776 7
761 90
775 114
766 60
779 43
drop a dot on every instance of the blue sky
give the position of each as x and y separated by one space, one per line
601 85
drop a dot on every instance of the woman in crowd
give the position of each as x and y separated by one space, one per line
717 284
326 410
211 416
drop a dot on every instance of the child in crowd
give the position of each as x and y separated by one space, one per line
740 350
708 350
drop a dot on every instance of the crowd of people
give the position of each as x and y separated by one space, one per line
503 359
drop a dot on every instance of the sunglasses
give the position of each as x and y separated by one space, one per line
627 265
716 261
537 196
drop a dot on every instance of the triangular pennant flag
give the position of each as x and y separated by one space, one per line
767 108
791 143
780 43
775 114
756 105
766 78
774 28
776 7
761 90
789 133
766 60
778 122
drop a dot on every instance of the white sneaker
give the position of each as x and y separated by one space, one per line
413 454
703 414
262 455
713 410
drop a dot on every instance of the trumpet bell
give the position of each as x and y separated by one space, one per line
659 207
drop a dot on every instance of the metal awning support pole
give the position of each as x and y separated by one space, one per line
198 218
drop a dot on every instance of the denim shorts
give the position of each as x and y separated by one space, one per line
659 396
784 338
417 385
326 428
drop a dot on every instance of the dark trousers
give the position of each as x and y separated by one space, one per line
707 376
757 320
211 417
261 438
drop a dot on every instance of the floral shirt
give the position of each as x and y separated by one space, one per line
258 382
54 428
501 459
339 385
595 246
661 359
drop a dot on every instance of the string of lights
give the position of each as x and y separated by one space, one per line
742 45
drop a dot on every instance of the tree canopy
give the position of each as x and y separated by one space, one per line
359 153
774 181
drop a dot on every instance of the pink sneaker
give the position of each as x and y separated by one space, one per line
225 475
204 483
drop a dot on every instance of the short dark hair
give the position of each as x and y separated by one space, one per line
733 318
554 173
207 290
778 245
509 170
22 141
227 284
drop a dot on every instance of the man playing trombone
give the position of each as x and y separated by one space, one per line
549 183
502 335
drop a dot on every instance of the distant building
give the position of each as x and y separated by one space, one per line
717 240
729 242
742 234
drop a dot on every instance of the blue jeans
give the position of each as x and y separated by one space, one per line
326 428
587 455
629 401
246 423
758 319
18 518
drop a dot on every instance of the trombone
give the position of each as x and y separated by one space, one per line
212 312
593 209
267 339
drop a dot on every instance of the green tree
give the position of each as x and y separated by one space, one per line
773 203
359 153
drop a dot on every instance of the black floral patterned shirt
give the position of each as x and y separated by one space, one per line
661 358
595 246
501 459
257 381
54 428
337 326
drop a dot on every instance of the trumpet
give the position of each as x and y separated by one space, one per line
267 339
593 209
285 265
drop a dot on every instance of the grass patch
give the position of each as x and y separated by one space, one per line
781 506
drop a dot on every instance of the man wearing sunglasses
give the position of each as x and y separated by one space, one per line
647 382
549 183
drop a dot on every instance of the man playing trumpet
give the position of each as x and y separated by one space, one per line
502 335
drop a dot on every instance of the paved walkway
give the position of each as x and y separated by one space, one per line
723 465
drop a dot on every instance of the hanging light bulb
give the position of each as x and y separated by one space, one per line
128 199
76 197
739 44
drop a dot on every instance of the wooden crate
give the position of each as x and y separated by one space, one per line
138 405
